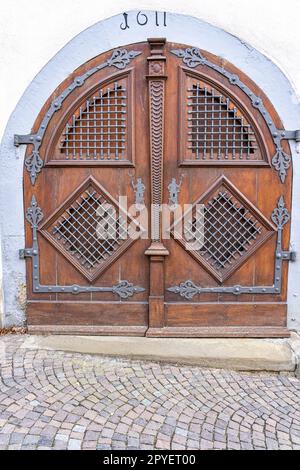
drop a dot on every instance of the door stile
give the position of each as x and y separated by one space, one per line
157 252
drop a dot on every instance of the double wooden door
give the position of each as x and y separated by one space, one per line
157 189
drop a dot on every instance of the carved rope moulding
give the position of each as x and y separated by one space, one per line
157 101
156 92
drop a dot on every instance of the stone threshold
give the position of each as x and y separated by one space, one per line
243 354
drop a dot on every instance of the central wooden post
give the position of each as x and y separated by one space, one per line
156 251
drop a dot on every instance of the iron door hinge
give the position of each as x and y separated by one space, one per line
288 255
26 253
290 135
25 139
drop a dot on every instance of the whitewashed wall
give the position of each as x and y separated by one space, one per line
32 33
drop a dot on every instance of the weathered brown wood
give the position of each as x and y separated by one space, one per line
220 332
258 183
157 136
87 313
226 314
60 178
157 291
87 330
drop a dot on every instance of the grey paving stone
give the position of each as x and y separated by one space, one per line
78 401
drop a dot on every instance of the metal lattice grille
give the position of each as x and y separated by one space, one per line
229 230
91 229
97 130
217 130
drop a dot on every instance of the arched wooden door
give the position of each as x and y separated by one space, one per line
178 132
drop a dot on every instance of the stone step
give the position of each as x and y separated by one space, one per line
244 354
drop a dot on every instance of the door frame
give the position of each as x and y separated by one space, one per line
88 43
157 251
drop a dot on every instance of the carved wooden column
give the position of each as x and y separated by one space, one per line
157 251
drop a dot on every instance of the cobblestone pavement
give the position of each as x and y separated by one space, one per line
72 401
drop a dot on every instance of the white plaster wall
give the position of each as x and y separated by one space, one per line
32 32
1 289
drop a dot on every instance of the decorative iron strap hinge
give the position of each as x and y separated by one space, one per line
26 253
280 216
34 215
192 57
290 135
25 139
288 255
119 59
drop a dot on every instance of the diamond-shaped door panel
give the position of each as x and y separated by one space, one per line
90 229
228 231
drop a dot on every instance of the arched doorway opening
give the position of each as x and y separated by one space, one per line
172 125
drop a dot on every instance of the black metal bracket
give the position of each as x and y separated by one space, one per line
289 256
290 135
26 253
24 139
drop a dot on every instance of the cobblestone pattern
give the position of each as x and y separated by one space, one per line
56 400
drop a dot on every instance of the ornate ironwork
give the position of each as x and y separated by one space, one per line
34 216
139 189
91 230
174 190
281 162
126 289
192 57
33 165
217 129
221 229
98 129
280 216
229 230
186 289
120 58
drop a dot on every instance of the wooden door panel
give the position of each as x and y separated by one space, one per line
93 146
195 95
108 318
